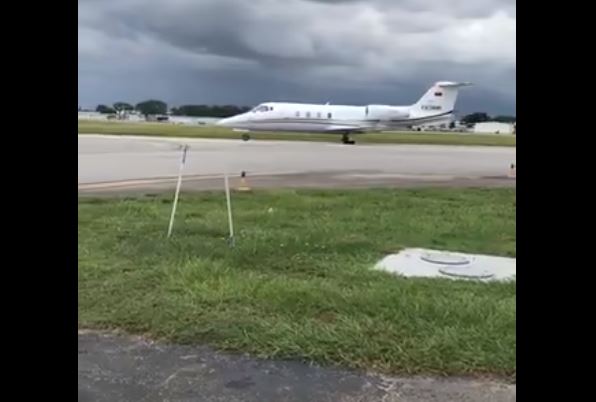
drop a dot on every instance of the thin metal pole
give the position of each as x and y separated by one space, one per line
178 184
231 223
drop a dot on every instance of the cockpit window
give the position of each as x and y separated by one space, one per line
261 108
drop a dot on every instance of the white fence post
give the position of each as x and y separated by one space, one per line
182 162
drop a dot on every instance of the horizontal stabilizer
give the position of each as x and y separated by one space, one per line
449 84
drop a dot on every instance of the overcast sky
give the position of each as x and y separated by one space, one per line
245 52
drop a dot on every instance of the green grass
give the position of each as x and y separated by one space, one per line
172 130
299 284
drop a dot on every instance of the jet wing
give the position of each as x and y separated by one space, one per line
343 128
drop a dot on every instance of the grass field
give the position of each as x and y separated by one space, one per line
299 284
172 130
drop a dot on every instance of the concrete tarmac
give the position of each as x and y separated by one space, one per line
125 368
108 159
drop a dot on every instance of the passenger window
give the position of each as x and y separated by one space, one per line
318 115
307 114
328 115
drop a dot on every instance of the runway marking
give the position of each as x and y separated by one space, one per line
141 182
404 176
167 179
131 183
290 142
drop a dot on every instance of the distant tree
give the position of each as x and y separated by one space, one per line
123 106
194 110
152 107
104 109
208 111
452 125
477 117
229 110
505 119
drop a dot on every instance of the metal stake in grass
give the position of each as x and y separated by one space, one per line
182 162
231 240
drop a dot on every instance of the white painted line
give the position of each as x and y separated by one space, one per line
167 179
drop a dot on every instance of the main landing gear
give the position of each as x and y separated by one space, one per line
347 140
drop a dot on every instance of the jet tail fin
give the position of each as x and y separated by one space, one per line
439 99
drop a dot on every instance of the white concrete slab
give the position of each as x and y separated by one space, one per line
427 263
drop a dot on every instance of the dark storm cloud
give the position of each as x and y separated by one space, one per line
236 51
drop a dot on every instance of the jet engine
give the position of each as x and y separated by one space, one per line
386 112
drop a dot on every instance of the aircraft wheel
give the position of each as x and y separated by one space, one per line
245 137
347 140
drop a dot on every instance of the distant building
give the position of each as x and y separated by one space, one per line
93 116
192 121
494 127
441 125
157 117
134 116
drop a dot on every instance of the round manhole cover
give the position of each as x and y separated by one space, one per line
467 272
445 259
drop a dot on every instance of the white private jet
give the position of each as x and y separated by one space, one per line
436 105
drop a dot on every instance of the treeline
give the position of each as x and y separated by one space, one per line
157 107
480 117
208 111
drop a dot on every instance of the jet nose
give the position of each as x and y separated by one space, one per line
233 122
223 122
